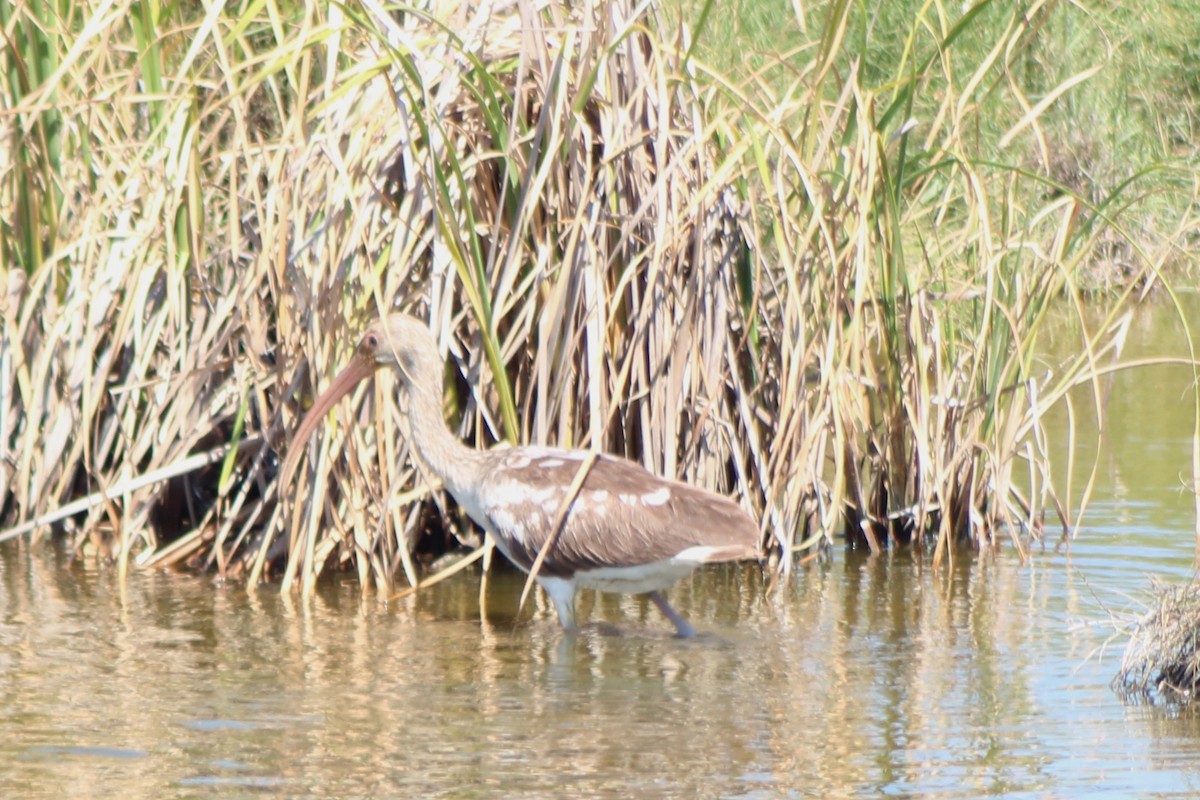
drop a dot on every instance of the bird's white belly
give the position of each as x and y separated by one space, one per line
636 579
622 580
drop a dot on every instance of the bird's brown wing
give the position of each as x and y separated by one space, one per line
622 516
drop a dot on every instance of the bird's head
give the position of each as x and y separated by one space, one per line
402 343
398 341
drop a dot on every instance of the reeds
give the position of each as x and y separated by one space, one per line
777 289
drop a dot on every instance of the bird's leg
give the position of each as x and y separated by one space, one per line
682 628
563 595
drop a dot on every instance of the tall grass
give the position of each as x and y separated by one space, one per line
776 287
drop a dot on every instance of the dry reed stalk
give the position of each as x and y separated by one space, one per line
560 518
442 574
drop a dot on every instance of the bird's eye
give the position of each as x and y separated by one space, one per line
371 341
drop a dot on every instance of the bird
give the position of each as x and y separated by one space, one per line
626 530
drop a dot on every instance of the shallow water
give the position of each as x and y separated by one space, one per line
861 677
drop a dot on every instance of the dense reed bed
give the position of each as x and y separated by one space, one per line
819 293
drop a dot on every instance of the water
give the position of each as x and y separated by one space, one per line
862 677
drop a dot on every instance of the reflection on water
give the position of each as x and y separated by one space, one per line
860 677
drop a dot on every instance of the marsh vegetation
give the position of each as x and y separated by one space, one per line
814 277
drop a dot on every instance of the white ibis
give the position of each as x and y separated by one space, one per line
626 530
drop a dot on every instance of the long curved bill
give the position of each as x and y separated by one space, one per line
350 376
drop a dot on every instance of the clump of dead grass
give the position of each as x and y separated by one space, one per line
1162 659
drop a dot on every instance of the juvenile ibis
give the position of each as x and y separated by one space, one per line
626 530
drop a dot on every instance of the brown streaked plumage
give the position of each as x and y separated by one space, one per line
626 531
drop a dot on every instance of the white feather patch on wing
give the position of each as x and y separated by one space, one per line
504 520
700 554
658 497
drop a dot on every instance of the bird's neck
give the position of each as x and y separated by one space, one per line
458 465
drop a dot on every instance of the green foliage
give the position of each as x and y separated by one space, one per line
30 59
